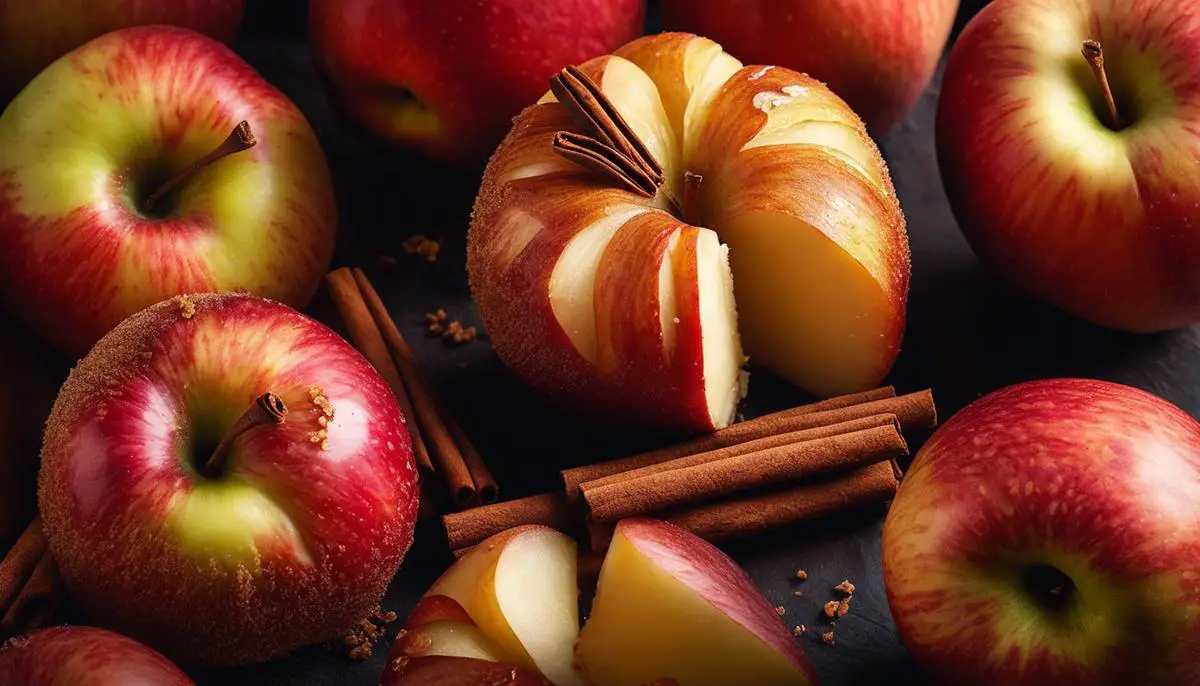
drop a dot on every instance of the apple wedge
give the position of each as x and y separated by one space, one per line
670 606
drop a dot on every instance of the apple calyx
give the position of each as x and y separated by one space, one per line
1093 52
1050 588
267 409
241 138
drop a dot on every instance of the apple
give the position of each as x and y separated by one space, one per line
226 480
34 34
1092 209
1049 533
448 77
87 234
84 656
622 304
670 608
877 54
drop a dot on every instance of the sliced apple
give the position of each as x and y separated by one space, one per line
670 606
455 671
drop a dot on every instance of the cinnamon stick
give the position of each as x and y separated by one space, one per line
39 600
722 520
366 337
710 479
470 527
20 562
914 411
450 443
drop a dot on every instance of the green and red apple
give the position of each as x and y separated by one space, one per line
1096 215
448 77
878 55
84 656
88 144
186 512
34 33
1049 534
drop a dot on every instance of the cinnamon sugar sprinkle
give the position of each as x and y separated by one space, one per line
799 630
187 308
845 588
831 610
801 575
451 331
781 610
422 245
362 638
827 638
323 408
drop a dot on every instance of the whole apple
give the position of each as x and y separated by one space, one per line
35 33
1049 534
84 656
1090 207
878 55
151 162
448 77
226 480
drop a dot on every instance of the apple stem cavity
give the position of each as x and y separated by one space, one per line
1093 52
691 198
241 138
267 409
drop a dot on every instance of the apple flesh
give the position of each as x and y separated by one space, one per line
289 540
632 306
34 34
1096 217
79 248
669 606
876 54
84 656
1048 534
447 78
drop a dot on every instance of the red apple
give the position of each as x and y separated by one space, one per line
1098 216
92 140
84 656
217 534
876 54
34 34
448 77
1049 534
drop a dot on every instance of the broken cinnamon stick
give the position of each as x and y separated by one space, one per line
39 600
708 480
451 445
470 527
367 338
19 563
914 411
743 515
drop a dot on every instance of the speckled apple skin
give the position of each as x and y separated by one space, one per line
84 656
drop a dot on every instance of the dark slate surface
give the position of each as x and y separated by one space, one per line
967 335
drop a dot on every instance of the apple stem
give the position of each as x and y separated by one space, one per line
691 198
241 138
1093 52
267 409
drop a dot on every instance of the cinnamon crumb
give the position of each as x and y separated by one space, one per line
831 609
451 331
417 644
781 610
187 308
799 630
845 588
827 638
362 638
801 575
422 245
399 665
387 260
843 608
798 593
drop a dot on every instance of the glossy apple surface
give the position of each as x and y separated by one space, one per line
878 55
293 538
92 137
34 34
1101 220
448 77
1049 533
84 656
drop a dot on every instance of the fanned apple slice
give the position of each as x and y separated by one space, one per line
671 607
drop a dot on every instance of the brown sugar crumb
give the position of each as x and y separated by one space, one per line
799 630
798 594
399 665
387 260
422 245
451 331
843 608
801 575
416 644
831 609
845 588
781 610
361 639
827 638
187 308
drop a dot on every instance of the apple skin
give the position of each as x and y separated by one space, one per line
445 670
1096 480
1098 223
291 544
84 656
448 77
34 34
77 254
878 55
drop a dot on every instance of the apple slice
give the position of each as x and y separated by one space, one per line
670 606
440 670
513 599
